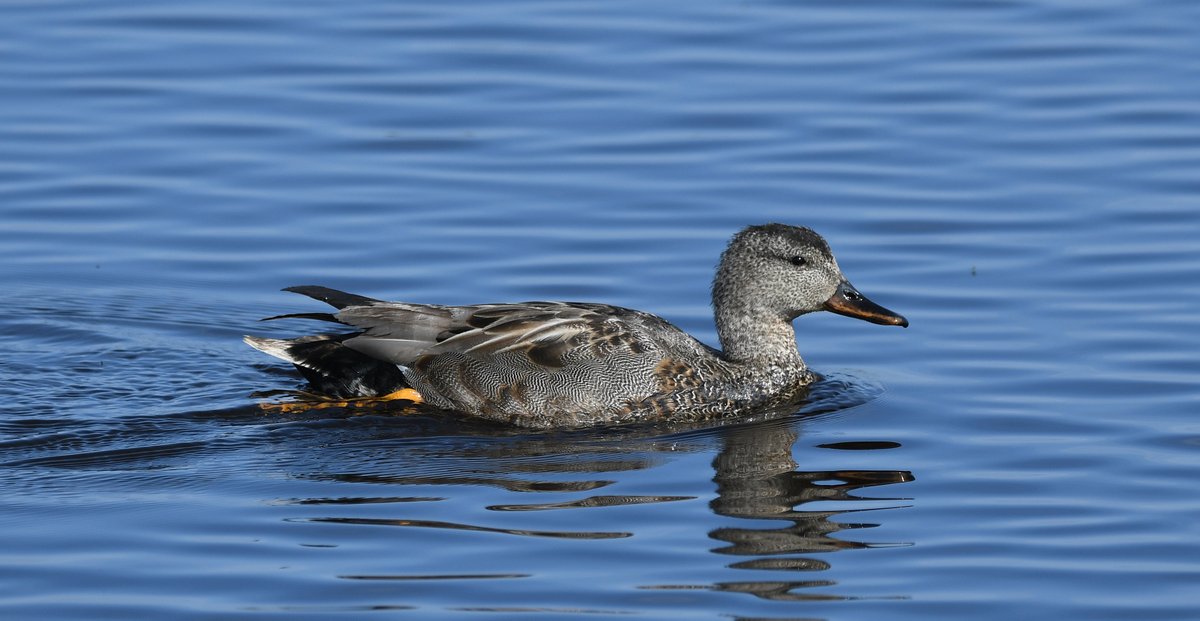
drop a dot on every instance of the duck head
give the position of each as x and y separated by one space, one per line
786 271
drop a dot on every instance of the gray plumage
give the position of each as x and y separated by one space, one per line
560 364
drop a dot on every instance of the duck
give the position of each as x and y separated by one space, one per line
549 364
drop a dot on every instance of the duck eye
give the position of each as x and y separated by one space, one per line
798 261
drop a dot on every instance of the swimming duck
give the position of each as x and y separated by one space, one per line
567 364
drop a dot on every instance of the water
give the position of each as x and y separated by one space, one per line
1018 179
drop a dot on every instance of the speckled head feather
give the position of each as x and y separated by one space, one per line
769 275
786 233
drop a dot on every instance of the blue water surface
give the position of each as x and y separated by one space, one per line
1020 179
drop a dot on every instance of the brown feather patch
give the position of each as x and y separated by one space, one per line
675 375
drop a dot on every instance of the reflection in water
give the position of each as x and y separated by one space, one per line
755 473
510 484
591 502
471 527
757 479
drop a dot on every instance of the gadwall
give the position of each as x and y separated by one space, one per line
567 364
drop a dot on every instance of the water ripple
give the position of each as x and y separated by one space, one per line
1017 178
471 527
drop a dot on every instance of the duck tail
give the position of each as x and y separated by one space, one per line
331 368
333 297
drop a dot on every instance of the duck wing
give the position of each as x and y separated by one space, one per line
531 363
549 334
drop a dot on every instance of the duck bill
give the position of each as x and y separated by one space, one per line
849 302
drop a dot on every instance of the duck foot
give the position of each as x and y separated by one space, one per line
309 401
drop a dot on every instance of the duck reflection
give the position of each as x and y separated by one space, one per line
427 453
757 479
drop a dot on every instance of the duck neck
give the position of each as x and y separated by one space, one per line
752 335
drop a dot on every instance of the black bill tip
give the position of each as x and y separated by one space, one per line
849 302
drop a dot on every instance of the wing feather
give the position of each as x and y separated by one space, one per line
401 332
